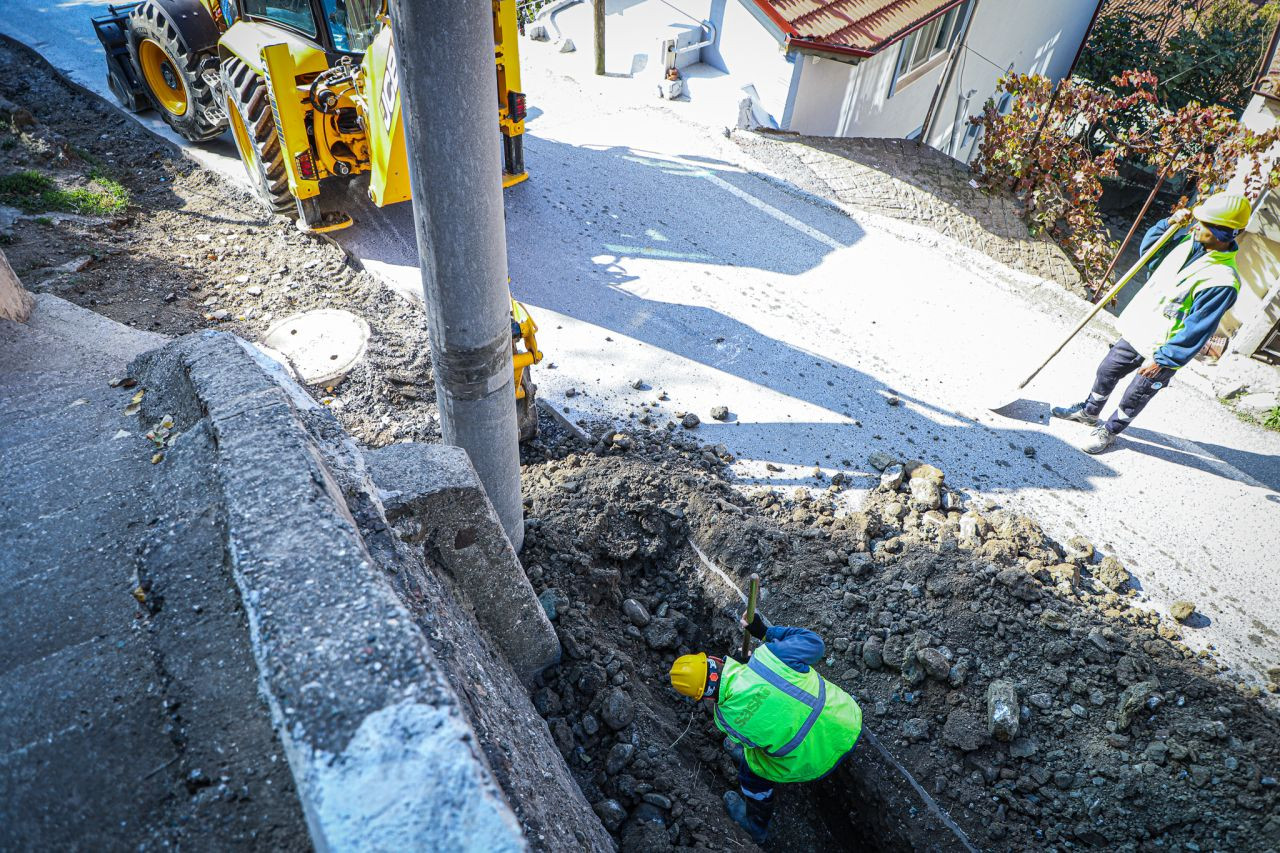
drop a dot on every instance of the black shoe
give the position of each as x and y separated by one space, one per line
1074 413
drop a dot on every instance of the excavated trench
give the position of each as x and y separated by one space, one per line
671 795
1120 739
628 594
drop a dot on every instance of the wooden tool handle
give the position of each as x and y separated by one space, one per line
1102 303
752 593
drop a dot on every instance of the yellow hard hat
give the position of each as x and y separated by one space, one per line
1225 209
689 675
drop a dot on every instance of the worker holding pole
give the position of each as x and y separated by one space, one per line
1193 282
784 722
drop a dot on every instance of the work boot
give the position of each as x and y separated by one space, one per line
1074 413
736 806
1100 438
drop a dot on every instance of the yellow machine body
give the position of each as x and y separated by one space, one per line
528 337
343 118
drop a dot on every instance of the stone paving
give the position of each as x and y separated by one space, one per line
122 726
900 180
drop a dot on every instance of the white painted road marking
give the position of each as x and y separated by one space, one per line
784 218
1226 469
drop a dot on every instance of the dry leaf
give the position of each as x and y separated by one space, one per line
156 458
140 594
132 409
137 398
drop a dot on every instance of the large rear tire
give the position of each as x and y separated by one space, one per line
173 76
254 128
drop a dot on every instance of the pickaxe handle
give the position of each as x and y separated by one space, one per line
752 594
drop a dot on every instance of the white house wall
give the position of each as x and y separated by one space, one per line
749 48
1030 38
1258 305
837 99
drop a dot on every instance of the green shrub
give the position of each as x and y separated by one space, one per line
1272 419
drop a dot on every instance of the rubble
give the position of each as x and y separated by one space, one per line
999 677
1002 710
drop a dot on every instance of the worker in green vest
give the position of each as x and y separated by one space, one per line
787 722
1193 282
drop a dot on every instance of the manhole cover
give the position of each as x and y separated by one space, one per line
321 345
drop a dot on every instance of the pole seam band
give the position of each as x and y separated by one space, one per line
473 373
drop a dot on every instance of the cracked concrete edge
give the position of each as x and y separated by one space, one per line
382 756
434 493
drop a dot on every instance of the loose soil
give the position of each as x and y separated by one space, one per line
929 601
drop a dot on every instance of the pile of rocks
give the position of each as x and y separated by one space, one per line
1011 674
1016 676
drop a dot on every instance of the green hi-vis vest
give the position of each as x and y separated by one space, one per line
793 726
1157 313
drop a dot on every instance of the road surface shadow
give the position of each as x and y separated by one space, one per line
1261 466
672 214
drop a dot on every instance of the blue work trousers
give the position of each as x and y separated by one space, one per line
1122 360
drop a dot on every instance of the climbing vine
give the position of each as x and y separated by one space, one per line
1052 151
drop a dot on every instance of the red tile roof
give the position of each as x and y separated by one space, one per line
854 27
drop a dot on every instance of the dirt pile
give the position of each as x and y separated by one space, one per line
606 543
1008 672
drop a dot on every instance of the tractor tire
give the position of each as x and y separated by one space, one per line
173 76
527 409
254 128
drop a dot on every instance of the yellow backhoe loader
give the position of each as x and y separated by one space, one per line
310 93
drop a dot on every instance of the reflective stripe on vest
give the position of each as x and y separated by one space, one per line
769 708
815 703
737 735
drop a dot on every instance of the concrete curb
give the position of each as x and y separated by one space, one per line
381 754
434 489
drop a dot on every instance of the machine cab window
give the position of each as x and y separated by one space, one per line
352 23
294 14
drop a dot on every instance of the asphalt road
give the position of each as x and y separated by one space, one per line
650 249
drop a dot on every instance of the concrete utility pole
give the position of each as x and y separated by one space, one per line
444 50
598 11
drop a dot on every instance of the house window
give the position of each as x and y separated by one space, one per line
927 43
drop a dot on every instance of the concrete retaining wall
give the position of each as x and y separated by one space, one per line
383 754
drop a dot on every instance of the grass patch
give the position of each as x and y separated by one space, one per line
33 192
1267 420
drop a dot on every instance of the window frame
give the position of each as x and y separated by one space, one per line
314 35
943 31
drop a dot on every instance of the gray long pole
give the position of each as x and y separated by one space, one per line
944 82
444 50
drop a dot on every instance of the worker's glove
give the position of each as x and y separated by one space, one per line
756 628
